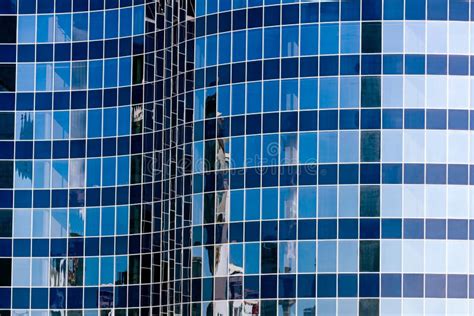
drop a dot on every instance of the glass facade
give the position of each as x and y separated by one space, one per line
332 158
91 94
236 157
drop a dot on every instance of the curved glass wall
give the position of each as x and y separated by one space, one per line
332 158
236 157
82 120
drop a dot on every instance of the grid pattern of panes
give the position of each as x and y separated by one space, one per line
76 144
332 157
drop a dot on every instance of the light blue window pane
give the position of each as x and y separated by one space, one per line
326 256
23 174
252 204
39 272
326 307
78 124
308 148
307 202
43 125
126 22
124 121
236 205
348 201
92 271
254 97
271 93
306 256
122 220
42 171
25 77
62 32
211 50
327 201
269 203
393 91
254 49
79 75
106 270
58 223
200 52
95 74
123 170
305 305
45 27
328 92
138 20
287 254
252 258
60 173
125 65
92 222
289 41
238 99
239 47
111 23
272 42
289 95
96 25
236 255
198 159
21 271
394 31
110 68
108 221
62 76
80 24
288 148
94 123
237 152
198 105
76 222
44 77
197 209
207 263
349 146
110 122
22 223
349 92
270 149
26 28
309 39
253 151
108 172
24 125
223 98
328 147
288 203
350 38
348 256
329 34
77 173
309 94
224 48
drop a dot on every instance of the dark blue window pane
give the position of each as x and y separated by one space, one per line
393 10
437 9
415 9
